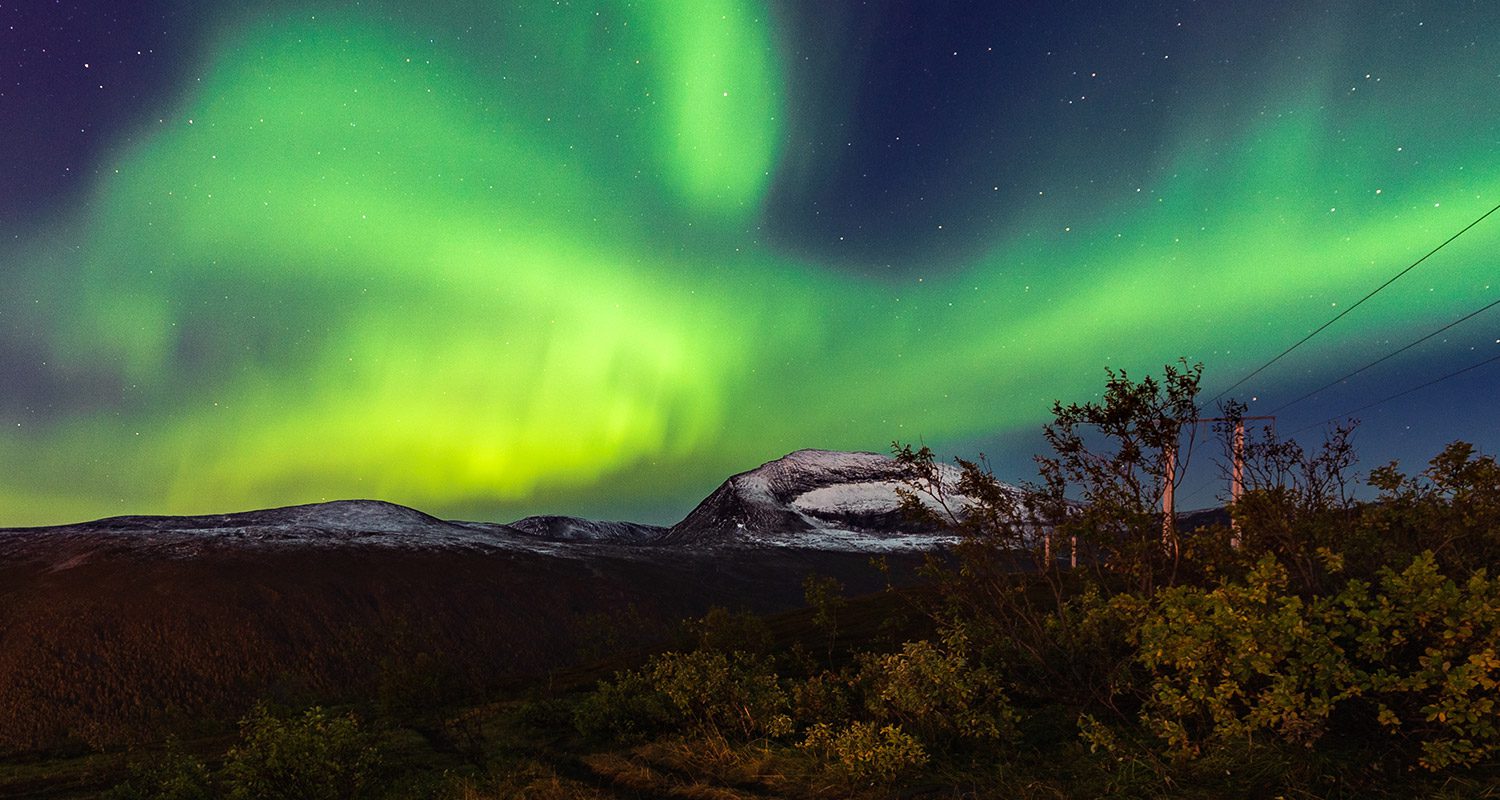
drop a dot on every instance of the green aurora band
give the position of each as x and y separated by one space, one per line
351 262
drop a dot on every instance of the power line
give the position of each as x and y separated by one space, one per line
1387 356
1341 314
1454 374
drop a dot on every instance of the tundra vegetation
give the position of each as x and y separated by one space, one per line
1304 644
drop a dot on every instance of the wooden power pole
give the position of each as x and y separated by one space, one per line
1236 477
1168 508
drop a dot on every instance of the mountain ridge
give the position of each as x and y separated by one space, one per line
807 499
113 630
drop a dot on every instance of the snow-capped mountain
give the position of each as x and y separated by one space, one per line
815 499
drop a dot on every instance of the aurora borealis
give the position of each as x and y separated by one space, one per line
495 258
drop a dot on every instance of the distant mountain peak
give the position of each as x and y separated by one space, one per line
334 524
811 498
368 515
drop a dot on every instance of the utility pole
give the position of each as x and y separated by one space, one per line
1169 486
1237 481
1168 511
1237 471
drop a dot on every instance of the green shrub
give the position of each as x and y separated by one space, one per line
315 756
1238 660
937 691
1430 647
864 751
1452 508
735 695
823 697
731 694
627 709
1412 657
173 775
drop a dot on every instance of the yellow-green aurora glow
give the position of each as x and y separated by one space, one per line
350 258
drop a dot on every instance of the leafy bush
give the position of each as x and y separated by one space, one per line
864 751
938 692
823 697
1413 655
315 756
735 695
173 775
1236 660
627 709
1430 648
1452 508
731 694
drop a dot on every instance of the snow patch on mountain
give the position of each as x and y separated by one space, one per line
868 498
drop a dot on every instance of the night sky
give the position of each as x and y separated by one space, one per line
498 258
